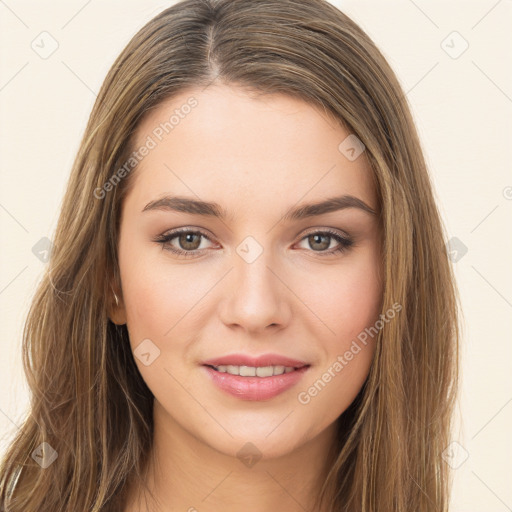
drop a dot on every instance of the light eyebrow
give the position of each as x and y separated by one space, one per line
205 208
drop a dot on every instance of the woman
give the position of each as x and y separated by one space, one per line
249 304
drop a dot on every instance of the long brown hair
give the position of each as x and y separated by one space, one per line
90 404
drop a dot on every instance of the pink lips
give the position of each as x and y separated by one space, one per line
255 388
263 360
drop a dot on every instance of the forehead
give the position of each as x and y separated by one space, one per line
236 148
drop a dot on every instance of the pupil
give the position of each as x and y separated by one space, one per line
187 240
317 240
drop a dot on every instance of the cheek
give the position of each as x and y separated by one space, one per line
156 295
159 304
350 304
347 298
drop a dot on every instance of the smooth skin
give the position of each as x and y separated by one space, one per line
257 157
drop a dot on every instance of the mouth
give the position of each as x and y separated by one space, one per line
255 371
257 383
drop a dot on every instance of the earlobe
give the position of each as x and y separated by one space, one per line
117 311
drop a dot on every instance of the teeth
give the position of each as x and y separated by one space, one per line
252 371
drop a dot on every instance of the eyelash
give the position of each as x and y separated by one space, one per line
164 240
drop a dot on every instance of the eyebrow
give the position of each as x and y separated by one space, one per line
197 207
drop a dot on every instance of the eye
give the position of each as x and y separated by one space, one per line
189 241
321 240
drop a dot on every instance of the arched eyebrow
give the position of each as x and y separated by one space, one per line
327 206
197 207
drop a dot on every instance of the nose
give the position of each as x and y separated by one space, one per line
257 299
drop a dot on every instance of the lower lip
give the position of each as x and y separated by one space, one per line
255 388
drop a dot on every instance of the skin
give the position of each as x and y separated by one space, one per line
256 157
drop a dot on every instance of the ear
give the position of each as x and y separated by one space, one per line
116 307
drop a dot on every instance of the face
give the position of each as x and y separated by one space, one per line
255 282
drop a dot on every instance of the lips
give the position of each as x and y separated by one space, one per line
254 388
258 361
265 386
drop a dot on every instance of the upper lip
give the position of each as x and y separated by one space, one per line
258 361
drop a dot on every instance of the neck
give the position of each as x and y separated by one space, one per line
185 474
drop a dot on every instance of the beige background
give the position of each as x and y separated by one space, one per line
462 107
